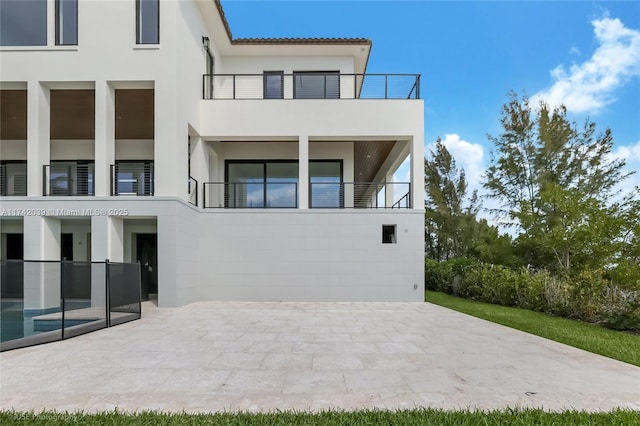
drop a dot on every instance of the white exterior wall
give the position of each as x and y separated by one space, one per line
312 255
213 254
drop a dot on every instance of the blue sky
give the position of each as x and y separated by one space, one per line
470 54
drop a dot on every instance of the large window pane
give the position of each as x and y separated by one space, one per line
245 187
147 21
273 85
316 85
282 185
13 178
134 178
71 178
326 184
66 22
23 23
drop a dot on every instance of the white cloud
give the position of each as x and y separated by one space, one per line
590 85
469 156
631 155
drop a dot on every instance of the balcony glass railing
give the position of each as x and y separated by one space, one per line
13 178
132 178
311 85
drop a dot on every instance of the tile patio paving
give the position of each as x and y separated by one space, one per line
215 356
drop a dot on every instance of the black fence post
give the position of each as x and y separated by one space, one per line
107 287
62 267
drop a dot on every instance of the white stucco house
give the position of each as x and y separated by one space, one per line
232 169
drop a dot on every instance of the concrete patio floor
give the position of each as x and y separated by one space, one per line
217 356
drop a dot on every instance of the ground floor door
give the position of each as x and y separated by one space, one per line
147 256
12 272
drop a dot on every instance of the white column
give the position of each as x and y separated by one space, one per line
105 134
107 238
303 172
41 280
38 135
107 243
417 172
170 143
167 261
389 189
200 164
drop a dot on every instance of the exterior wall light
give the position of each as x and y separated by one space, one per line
205 42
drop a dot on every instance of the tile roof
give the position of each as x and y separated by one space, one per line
288 40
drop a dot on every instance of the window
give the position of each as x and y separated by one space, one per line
71 178
273 82
389 234
23 23
147 21
316 85
261 184
133 178
66 22
13 178
326 187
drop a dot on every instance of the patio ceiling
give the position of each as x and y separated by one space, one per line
369 157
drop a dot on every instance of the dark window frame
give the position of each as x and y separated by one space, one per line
265 76
57 23
264 176
139 28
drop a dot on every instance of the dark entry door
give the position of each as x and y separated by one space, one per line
12 273
147 256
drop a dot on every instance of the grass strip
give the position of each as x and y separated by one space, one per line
512 417
610 343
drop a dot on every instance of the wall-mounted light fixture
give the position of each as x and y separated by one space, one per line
205 42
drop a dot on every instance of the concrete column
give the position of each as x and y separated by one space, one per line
389 190
107 242
41 280
107 238
168 295
105 137
417 172
38 135
170 142
200 165
303 172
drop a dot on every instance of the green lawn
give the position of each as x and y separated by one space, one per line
407 417
613 344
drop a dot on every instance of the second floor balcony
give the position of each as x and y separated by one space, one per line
310 85
258 194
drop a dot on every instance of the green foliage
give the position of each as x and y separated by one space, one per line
588 296
449 223
599 340
420 416
555 181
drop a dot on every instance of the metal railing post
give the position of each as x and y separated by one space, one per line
204 195
234 86
107 288
62 262
44 180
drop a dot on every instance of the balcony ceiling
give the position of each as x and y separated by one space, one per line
72 114
134 114
369 157
13 113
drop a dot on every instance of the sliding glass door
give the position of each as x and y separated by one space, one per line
261 184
